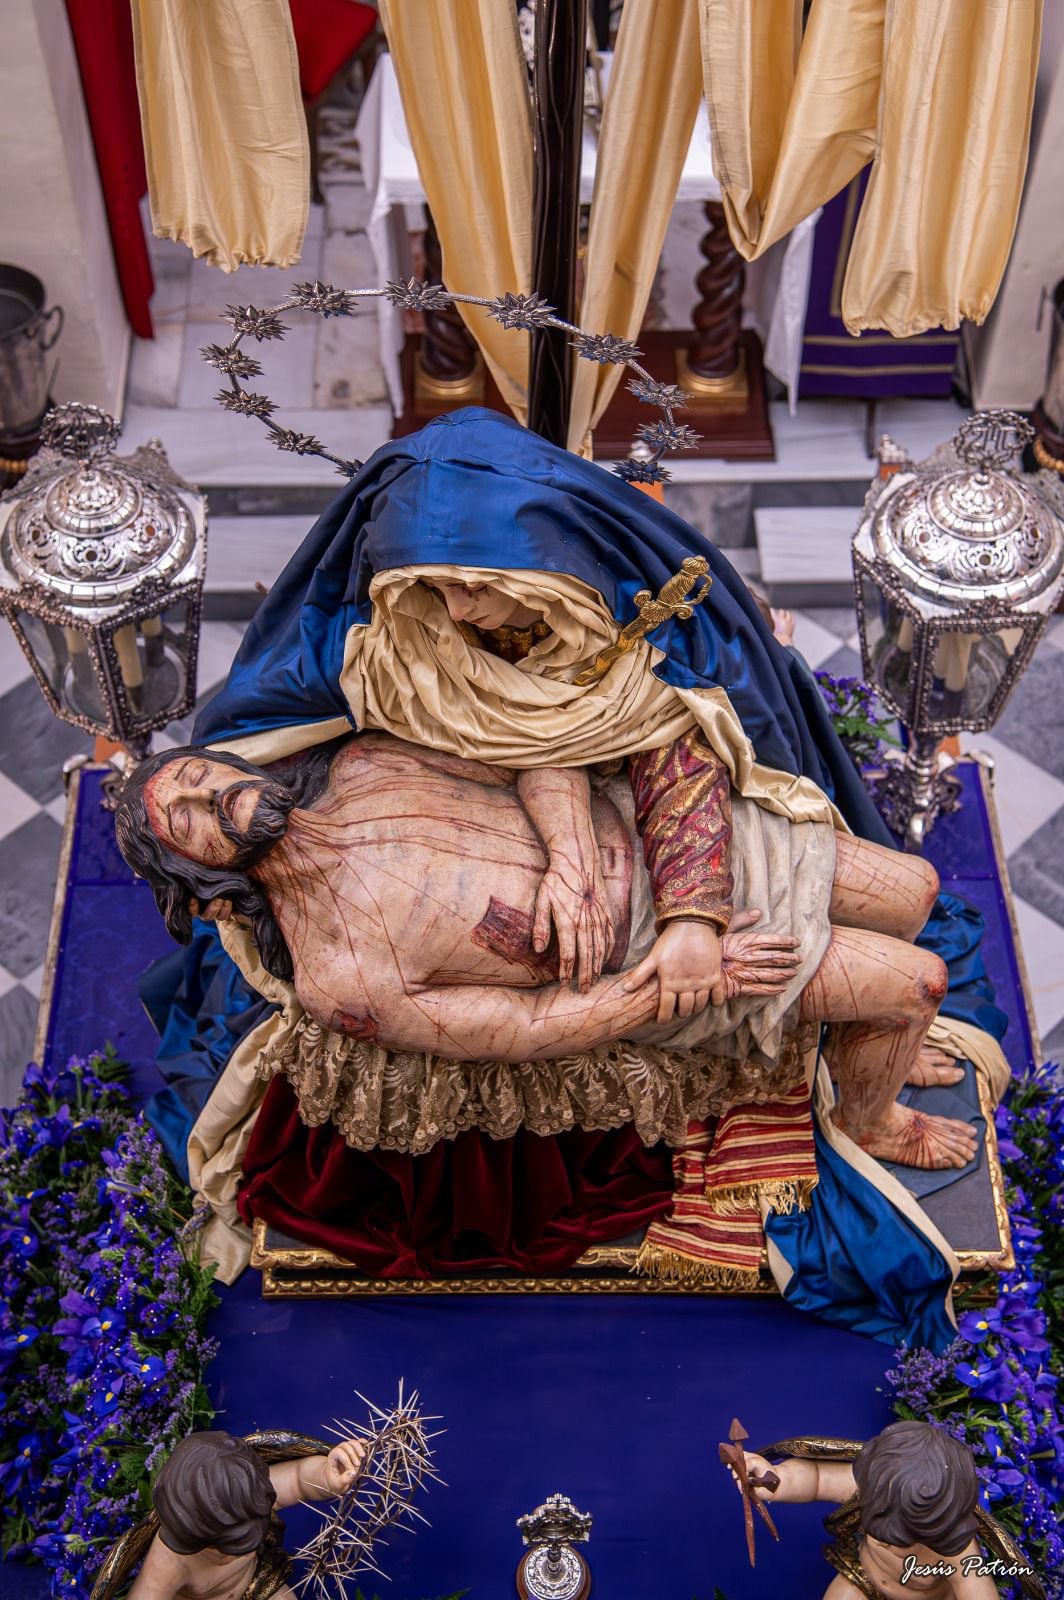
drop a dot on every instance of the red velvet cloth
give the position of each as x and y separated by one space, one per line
103 39
472 1204
328 32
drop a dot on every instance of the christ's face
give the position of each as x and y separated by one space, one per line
203 808
482 605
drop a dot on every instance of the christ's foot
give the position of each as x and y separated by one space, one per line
934 1068
915 1139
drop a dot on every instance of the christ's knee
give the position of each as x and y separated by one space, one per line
925 886
927 986
909 998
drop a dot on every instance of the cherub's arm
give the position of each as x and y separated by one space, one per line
801 1480
317 1477
557 801
967 1582
161 1576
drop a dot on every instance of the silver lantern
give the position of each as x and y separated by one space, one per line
958 565
101 576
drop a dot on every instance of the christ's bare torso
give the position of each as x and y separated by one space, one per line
419 870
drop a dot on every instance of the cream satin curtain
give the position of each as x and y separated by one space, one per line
464 87
651 104
937 93
225 136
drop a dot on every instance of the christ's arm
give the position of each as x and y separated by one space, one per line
478 1022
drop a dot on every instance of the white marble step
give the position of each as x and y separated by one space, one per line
825 440
245 551
209 445
804 551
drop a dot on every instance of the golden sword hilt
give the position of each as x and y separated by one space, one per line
676 598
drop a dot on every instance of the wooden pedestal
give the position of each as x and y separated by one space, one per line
732 418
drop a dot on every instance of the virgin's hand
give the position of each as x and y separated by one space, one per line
572 895
686 960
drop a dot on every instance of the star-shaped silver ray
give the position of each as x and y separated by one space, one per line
234 362
245 402
259 324
323 299
665 395
521 311
416 295
633 471
606 348
301 444
666 435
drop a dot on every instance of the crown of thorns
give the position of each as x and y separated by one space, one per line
524 311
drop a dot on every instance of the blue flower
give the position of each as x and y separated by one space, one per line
19 1339
21 1241
987 1378
155 1318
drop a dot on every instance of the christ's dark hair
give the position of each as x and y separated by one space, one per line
214 1492
916 1485
178 883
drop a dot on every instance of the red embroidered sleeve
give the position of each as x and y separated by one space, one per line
683 814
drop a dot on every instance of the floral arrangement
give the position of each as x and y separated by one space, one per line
857 718
998 1387
102 1348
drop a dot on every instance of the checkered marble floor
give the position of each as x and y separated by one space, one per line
1027 747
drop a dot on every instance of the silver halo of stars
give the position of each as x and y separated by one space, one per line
518 311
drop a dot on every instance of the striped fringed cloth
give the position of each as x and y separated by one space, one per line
713 1235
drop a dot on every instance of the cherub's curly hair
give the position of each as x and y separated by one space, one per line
916 1485
181 886
214 1492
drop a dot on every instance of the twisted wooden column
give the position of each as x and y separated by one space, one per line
713 361
448 350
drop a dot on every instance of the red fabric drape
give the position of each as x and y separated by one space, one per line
472 1204
103 39
327 33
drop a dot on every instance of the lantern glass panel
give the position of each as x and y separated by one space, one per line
152 656
62 656
889 639
968 674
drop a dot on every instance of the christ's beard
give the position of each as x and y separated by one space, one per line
269 822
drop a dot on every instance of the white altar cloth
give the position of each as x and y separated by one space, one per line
390 174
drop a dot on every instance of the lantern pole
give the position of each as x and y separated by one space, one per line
558 96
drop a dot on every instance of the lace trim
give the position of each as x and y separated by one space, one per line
383 1099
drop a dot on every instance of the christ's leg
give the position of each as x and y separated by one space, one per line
881 994
889 892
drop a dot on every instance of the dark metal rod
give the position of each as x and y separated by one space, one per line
561 51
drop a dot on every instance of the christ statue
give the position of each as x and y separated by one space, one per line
409 895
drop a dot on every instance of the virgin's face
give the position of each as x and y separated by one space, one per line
482 605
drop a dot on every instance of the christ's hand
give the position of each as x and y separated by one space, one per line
756 963
573 895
